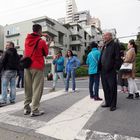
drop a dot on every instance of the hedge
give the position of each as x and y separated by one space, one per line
82 71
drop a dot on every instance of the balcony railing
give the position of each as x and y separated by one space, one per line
50 30
12 35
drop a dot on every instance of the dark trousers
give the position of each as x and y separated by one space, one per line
109 83
20 79
94 81
0 84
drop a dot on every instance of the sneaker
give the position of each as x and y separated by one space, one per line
27 112
38 113
130 96
66 91
137 95
2 104
73 91
12 102
52 90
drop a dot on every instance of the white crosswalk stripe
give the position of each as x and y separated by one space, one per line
22 92
18 106
64 125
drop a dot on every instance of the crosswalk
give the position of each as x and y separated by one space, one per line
66 125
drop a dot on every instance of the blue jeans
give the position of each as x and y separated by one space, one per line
55 79
72 75
94 81
8 78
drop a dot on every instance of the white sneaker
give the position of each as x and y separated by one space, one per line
65 91
73 91
38 113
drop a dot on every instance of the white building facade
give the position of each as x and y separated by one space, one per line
1 37
71 9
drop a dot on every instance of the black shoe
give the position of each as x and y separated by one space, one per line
98 99
130 96
105 105
137 95
112 108
12 102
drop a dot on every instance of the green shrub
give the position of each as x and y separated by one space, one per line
82 71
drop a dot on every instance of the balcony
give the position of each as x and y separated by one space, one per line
74 32
76 42
49 30
12 35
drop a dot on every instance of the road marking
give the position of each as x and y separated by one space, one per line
21 121
19 105
88 134
22 92
67 124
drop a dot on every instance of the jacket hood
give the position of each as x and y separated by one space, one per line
31 39
11 50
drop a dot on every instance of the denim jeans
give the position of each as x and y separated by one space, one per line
8 79
94 81
56 75
72 75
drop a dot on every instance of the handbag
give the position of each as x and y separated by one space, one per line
26 61
126 67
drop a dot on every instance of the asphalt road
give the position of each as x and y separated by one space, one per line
71 116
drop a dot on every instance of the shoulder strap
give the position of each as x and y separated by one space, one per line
35 46
94 58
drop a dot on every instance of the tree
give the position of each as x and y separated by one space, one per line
138 55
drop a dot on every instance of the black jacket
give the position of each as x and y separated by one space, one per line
110 57
9 60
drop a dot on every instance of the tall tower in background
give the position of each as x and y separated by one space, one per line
71 9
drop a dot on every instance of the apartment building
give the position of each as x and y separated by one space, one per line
82 17
1 37
96 22
71 9
79 39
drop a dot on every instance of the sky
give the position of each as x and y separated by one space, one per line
119 14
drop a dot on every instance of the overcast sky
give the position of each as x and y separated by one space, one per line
120 14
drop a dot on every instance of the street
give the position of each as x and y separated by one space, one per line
71 116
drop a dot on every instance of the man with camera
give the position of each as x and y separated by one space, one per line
34 75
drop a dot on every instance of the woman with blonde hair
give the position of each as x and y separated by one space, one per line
130 76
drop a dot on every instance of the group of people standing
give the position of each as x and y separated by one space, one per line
72 63
34 75
106 63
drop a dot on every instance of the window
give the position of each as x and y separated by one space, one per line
12 30
85 35
73 48
73 38
17 42
8 32
60 37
